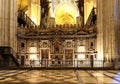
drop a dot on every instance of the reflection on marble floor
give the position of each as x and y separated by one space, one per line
59 77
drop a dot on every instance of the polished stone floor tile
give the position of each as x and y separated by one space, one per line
59 77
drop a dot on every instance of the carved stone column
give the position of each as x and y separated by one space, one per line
117 33
8 23
100 29
107 21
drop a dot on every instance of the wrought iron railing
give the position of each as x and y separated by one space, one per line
65 63
28 22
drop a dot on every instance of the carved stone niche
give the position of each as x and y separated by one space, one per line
68 43
44 44
56 45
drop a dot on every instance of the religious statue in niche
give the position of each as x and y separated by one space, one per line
69 44
33 44
56 47
44 44
56 50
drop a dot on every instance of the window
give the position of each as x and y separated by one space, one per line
91 44
22 45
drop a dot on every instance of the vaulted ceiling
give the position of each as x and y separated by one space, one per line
65 14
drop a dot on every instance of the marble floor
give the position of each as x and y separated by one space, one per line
59 77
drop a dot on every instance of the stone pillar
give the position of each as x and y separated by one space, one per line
8 23
106 24
99 30
117 32
108 30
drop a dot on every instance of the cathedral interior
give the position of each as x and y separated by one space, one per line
60 33
59 41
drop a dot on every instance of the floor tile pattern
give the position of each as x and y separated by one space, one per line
59 77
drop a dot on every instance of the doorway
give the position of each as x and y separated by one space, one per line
92 60
68 57
44 57
22 60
